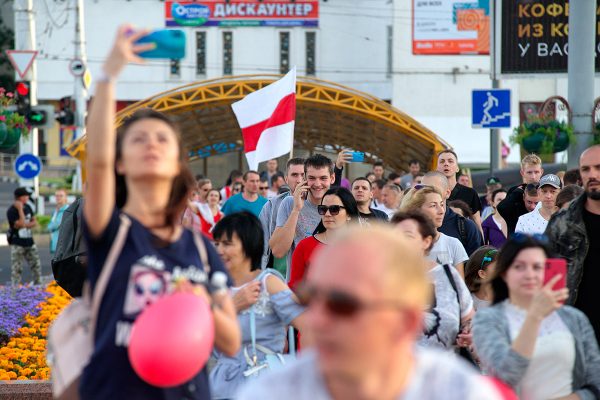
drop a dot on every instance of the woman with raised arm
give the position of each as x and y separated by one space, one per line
138 183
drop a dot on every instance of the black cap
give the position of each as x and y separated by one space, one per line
21 192
492 180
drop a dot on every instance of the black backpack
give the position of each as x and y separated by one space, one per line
69 265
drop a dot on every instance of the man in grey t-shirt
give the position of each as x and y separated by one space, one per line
297 216
366 291
294 174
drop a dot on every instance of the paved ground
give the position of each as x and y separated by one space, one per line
45 258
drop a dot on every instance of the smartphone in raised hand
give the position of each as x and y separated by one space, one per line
358 156
169 44
555 266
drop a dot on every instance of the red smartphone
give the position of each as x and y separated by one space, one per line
555 266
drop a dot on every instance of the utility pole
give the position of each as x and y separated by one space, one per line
80 94
495 137
25 39
582 43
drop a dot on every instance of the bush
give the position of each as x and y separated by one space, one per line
43 221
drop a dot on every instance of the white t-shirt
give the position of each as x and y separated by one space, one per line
531 223
436 375
442 319
448 250
389 211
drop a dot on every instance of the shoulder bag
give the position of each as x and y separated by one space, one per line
71 335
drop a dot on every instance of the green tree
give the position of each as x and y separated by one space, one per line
7 42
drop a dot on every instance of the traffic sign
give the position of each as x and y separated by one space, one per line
490 108
28 166
21 60
77 67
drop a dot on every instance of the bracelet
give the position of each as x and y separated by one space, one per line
103 77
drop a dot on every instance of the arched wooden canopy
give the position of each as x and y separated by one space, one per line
328 116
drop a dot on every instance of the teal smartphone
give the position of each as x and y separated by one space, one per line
170 44
358 156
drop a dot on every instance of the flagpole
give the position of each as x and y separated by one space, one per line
294 131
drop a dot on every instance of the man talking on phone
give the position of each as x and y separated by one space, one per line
297 216
574 235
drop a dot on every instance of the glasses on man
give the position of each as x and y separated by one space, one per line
338 303
333 210
263 188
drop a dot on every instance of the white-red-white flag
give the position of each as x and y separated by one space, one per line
267 120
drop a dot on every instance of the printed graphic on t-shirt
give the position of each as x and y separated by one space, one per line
146 285
148 281
25 233
432 320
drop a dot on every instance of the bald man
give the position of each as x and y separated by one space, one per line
574 235
364 323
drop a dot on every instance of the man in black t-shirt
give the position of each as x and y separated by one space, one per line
363 194
21 219
448 165
574 235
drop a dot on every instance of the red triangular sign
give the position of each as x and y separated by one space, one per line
21 60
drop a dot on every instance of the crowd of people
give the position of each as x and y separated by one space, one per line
400 286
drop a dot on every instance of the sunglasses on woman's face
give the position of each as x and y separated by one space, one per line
333 210
338 303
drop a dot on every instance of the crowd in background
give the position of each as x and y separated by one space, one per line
392 285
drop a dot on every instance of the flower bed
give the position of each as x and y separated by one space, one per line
23 352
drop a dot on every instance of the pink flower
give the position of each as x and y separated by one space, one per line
2 90
9 94
2 118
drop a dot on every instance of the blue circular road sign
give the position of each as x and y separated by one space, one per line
28 166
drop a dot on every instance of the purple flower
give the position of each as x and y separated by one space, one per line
15 304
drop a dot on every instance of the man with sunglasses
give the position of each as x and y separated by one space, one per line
513 206
363 194
363 323
574 234
297 216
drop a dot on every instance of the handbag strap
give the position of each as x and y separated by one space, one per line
453 283
107 269
201 247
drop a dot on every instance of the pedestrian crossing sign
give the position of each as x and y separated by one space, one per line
491 108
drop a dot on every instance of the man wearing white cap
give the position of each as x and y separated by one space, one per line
537 220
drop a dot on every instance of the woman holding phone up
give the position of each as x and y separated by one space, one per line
138 179
527 338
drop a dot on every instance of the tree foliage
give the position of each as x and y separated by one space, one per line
7 42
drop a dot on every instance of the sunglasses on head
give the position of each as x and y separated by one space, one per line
420 186
338 303
522 237
333 210
532 186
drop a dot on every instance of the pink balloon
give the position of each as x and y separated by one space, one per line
172 339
